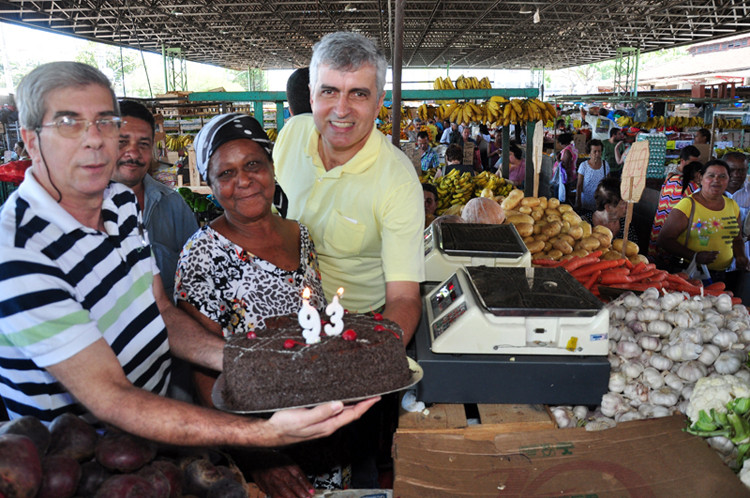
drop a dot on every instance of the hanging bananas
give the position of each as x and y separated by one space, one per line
177 143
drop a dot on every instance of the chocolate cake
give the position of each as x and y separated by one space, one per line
275 368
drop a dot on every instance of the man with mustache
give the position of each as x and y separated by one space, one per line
167 218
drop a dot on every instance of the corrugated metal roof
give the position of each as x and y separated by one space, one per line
482 34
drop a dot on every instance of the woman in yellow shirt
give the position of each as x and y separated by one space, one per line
713 234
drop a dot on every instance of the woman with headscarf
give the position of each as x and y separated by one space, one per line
249 264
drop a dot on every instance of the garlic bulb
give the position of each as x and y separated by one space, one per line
687 391
652 378
724 339
632 301
631 315
674 381
636 392
617 312
563 417
600 424
671 300
721 444
613 403
614 360
723 303
712 316
689 335
649 314
628 349
707 330
650 294
683 351
728 362
649 410
660 362
664 396
649 342
628 416
709 354
659 327
617 381
744 375
580 412
691 371
631 369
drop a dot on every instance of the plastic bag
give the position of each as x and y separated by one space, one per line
698 272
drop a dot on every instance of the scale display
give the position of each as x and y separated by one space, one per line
496 310
449 246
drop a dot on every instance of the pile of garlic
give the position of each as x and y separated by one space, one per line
659 346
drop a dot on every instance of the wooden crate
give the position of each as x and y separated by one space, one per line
493 418
195 184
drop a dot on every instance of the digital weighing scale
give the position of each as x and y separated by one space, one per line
512 335
448 246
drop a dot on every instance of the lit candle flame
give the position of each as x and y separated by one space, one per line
340 292
306 293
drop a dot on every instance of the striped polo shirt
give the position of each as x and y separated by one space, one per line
63 286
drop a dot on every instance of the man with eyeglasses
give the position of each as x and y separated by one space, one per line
84 319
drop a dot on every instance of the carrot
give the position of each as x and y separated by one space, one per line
545 262
638 268
628 264
615 279
717 286
644 275
736 300
599 265
575 263
592 278
658 276
640 286
616 271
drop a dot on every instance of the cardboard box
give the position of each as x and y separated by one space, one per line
648 458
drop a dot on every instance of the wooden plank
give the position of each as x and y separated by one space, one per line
503 414
439 416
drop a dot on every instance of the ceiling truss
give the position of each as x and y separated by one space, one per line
480 34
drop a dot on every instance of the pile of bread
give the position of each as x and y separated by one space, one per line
554 231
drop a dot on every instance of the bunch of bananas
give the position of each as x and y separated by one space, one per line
461 113
454 188
176 143
721 152
426 112
462 83
384 113
497 111
678 122
272 134
487 184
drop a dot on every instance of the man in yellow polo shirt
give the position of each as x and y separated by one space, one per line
358 194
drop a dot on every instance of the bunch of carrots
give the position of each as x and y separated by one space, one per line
591 272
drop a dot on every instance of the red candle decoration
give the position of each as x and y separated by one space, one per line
379 328
349 335
377 316
251 335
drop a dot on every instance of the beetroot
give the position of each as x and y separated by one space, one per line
92 477
32 428
126 486
20 467
60 476
124 452
72 437
173 474
226 487
157 479
199 476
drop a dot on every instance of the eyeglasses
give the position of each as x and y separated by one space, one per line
69 127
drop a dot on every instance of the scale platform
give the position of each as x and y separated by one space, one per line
487 310
448 246
512 335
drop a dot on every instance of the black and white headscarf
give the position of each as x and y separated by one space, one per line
225 128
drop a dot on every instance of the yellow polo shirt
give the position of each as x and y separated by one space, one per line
366 217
